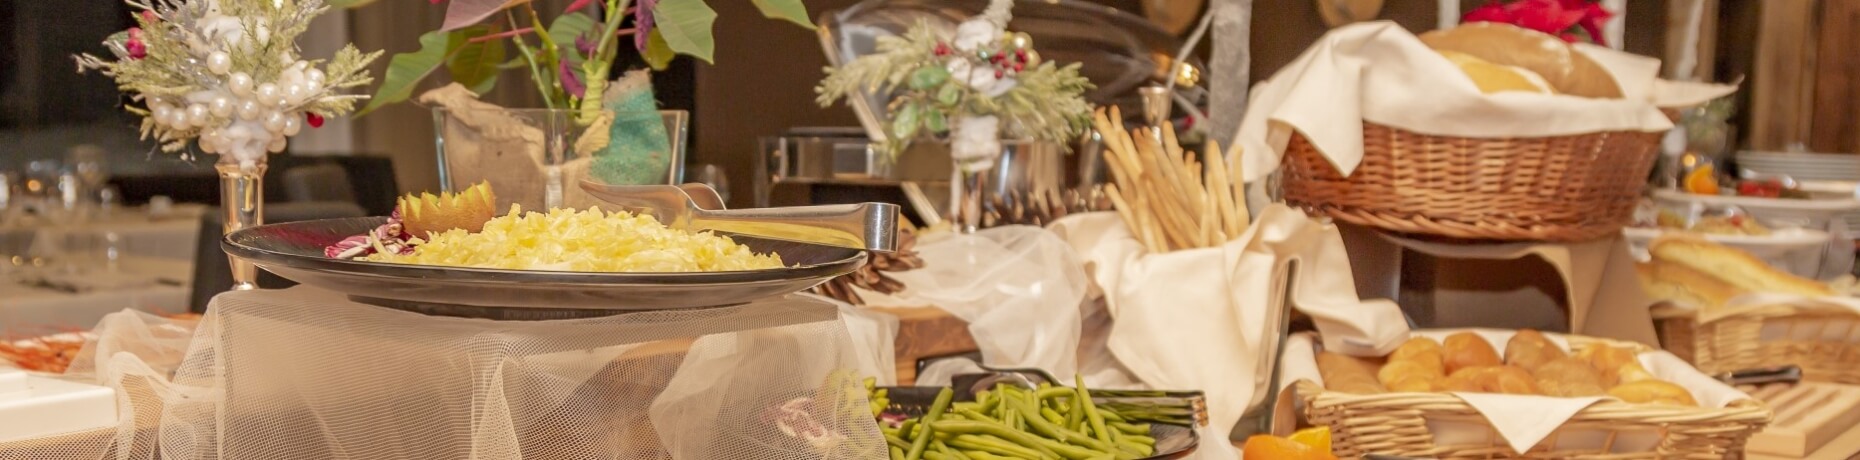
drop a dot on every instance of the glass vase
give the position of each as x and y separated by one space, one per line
242 198
1024 186
535 158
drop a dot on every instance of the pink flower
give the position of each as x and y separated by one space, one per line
570 82
134 46
1554 17
643 22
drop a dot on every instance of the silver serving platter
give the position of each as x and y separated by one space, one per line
295 251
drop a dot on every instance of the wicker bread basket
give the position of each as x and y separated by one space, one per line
1398 424
1560 188
1824 343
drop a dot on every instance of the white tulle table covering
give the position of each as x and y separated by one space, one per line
304 373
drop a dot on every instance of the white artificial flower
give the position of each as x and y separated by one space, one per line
981 78
975 142
975 33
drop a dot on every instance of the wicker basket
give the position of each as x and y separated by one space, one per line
1824 343
1562 188
1397 424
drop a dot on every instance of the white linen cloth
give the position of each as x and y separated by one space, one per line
1018 287
1379 72
1523 420
1208 318
135 286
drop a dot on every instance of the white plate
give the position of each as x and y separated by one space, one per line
1754 204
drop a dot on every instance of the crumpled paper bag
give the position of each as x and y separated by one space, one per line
1379 72
1209 318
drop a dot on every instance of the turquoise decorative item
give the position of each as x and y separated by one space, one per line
640 149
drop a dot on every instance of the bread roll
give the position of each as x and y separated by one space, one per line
1529 349
1566 70
1493 379
1732 266
1569 377
1423 351
1609 361
1683 285
1410 376
1348 374
1495 78
1466 349
1653 392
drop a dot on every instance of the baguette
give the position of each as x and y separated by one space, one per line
1654 392
1683 285
1734 267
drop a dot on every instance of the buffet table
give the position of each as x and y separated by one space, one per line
150 284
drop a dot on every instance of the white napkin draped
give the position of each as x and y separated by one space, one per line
1379 72
1207 318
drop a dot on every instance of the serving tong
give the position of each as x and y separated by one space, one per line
696 207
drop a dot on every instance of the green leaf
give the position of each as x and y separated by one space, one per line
904 126
949 95
686 25
927 77
936 122
475 65
405 70
789 10
658 54
348 3
564 30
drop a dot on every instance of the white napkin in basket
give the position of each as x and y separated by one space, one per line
1204 318
1524 421
1379 72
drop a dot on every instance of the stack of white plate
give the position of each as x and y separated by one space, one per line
1803 166
1824 175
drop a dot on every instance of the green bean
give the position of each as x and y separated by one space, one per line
937 456
905 429
1141 439
1142 450
1132 428
968 404
1076 416
896 453
950 451
896 442
929 420
1091 412
1112 415
1056 392
973 442
1052 416
984 455
1018 437
1054 431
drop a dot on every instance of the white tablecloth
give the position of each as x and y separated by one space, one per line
172 236
30 309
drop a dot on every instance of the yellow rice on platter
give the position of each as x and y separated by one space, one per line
590 240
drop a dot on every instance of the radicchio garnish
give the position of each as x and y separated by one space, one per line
389 237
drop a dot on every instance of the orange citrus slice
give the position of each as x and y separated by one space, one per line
1702 181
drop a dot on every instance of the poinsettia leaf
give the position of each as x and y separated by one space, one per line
475 65
405 70
658 54
463 13
686 26
789 10
564 31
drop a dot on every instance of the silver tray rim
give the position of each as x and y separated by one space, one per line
236 244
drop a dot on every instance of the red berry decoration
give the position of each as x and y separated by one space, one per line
998 74
1020 55
942 49
314 120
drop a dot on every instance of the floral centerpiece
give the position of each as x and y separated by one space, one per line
226 76
1571 20
976 87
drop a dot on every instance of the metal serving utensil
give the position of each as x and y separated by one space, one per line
867 226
